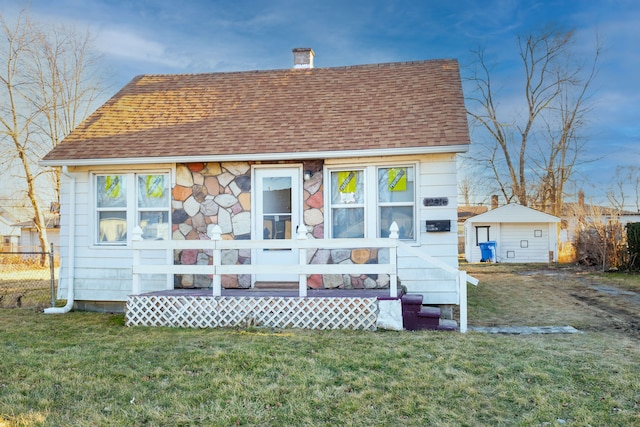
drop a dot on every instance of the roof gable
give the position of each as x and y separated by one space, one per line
366 107
50 221
513 213
467 211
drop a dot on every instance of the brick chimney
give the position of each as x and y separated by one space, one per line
303 57
494 201
581 199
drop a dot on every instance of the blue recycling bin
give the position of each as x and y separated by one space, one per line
488 251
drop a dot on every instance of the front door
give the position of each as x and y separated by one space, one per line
277 214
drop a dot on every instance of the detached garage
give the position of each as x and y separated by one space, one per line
522 234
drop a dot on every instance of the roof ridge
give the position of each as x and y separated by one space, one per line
345 67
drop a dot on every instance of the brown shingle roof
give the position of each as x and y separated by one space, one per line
467 211
381 106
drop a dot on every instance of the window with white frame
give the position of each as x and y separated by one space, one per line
126 200
396 201
347 203
354 193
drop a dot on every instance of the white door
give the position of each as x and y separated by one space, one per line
277 214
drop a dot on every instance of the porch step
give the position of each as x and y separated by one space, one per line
416 317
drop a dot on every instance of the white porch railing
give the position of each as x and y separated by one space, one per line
216 245
461 277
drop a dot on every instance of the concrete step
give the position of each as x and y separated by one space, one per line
447 325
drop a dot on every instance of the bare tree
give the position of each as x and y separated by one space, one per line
45 92
465 189
532 155
66 85
626 188
600 237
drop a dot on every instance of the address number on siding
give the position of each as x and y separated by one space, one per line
436 201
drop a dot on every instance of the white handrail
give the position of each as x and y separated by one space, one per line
216 245
461 277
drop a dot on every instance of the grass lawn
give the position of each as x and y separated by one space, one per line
88 369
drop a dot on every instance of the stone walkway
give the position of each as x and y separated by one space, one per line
524 330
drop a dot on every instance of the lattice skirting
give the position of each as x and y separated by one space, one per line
275 312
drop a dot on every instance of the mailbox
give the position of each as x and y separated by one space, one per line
439 225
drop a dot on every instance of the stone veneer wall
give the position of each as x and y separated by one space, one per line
220 193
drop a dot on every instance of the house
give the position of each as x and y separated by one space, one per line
576 213
262 159
521 234
29 239
9 234
583 224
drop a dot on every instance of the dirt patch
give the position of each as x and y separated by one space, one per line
526 295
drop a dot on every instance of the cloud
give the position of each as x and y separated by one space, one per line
124 44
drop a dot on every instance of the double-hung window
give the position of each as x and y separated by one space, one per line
364 202
126 200
396 201
347 203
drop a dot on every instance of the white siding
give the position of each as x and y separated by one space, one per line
522 234
472 249
100 273
29 239
437 179
104 273
524 243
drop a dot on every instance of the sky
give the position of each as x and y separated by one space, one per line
192 36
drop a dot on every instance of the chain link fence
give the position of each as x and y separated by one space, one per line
27 279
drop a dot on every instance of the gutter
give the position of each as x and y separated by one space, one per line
383 152
71 248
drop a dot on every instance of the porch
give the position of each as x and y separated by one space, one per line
295 306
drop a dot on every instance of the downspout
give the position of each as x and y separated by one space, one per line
71 251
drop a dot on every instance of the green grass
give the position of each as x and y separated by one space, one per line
87 369
24 285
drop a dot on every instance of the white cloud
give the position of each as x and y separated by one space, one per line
128 45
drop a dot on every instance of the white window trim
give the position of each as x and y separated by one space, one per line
132 211
371 216
363 205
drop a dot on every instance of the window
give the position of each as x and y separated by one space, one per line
396 195
112 208
347 203
482 234
153 206
390 189
126 200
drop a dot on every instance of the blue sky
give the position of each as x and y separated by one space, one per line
171 36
